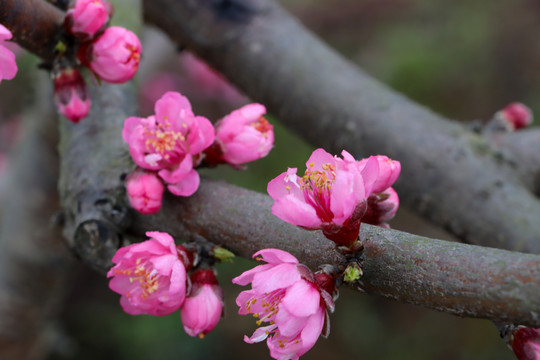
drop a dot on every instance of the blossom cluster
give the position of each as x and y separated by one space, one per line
169 145
111 53
336 194
289 299
152 277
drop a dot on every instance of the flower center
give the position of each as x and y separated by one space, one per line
148 280
262 125
162 139
317 186
270 306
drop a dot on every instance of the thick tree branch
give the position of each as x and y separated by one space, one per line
448 172
34 263
94 164
465 280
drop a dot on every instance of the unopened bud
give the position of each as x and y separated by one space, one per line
517 115
223 254
352 273
71 94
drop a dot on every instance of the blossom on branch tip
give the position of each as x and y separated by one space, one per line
170 142
150 276
114 56
71 94
286 297
145 191
517 115
203 306
331 196
526 343
242 136
8 66
85 18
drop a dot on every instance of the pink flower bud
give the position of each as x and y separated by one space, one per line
71 94
85 18
150 276
284 295
381 207
8 67
243 136
202 308
526 343
517 115
114 56
145 191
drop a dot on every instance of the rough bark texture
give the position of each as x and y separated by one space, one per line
94 164
448 172
461 279
34 262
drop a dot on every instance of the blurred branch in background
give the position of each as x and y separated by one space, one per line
35 266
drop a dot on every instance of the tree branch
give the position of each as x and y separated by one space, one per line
461 279
448 172
94 164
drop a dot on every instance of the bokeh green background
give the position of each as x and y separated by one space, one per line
464 59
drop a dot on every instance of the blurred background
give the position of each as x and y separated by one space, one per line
464 59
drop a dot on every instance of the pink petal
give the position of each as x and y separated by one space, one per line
247 276
178 173
312 331
279 277
289 325
260 334
318 158
296 212
302 299
187 186
275 256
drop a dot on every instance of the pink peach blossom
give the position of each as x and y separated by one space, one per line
150 276
243 136
145 191
331 196
8 66
71 94
203 306
114 56
526 343
170 142
85 18
517 115
284 295
389 171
